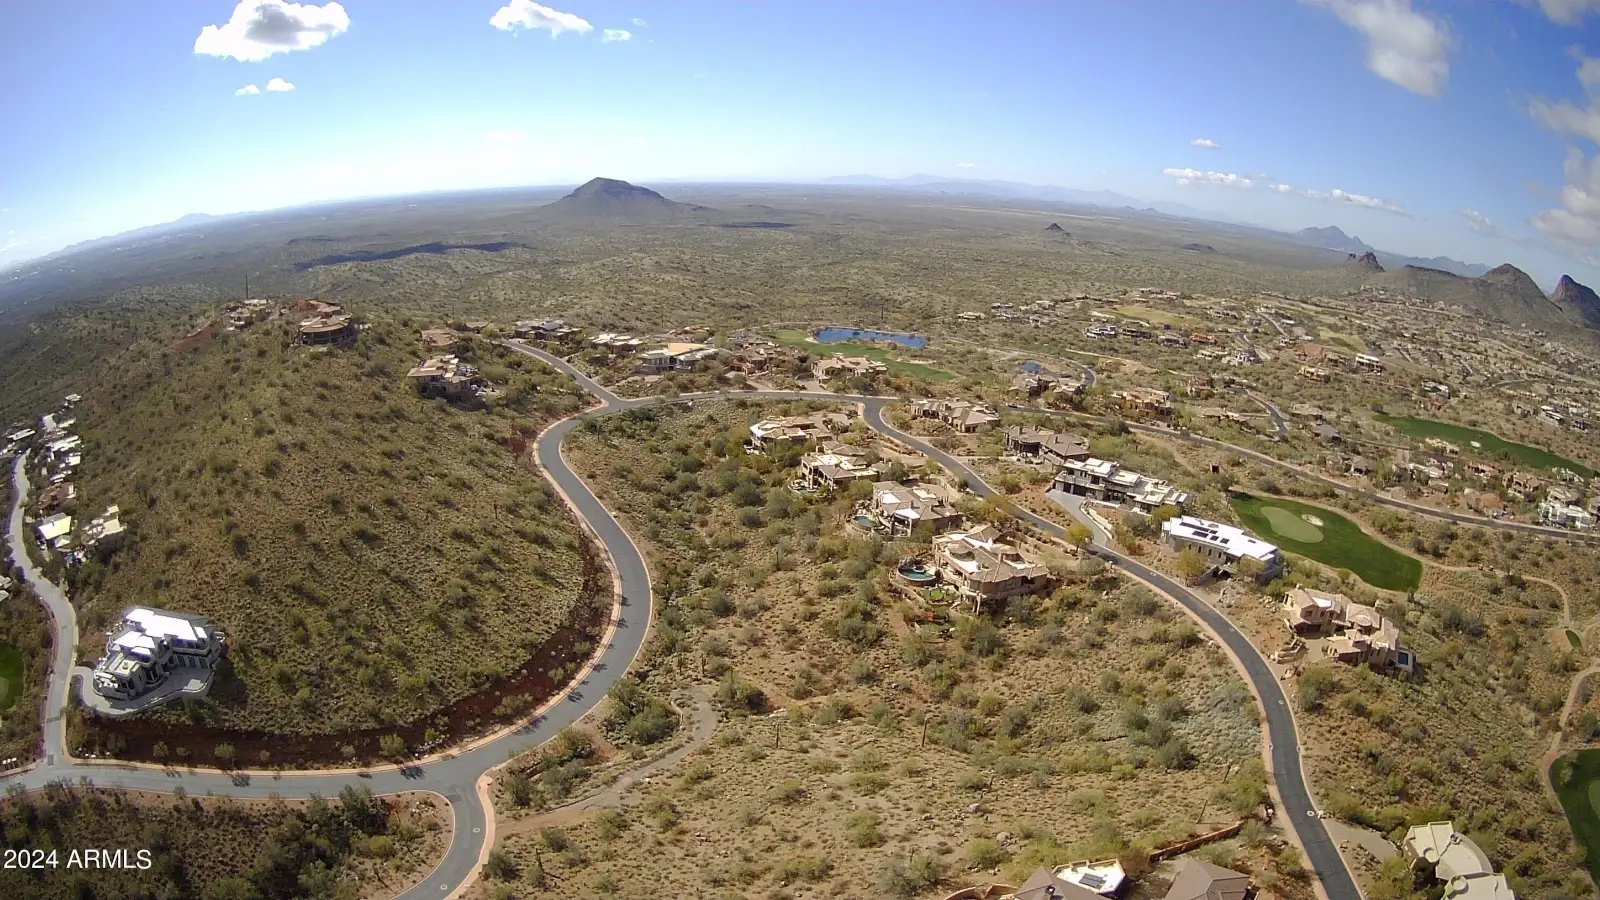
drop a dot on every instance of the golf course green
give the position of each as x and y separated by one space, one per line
1489 444
1576 778
11 670
1336 541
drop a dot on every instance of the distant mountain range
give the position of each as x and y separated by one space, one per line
1330 237
1333 238
934 184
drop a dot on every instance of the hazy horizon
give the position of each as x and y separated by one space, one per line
1426 128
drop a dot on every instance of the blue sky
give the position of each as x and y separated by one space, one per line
1466 128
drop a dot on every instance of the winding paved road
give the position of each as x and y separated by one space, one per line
456 776
1340 486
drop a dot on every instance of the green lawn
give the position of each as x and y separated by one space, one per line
11 670
1576 777
1492 445
1341 542
801 339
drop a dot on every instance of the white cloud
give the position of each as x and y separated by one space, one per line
1404 46
1574 226
260 28
247 91
533 17
966 165
504 136
1477 221
1205 143
1222 179
1568 12
640 23
1242 182
279 86
615 34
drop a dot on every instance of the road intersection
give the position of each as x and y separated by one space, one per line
459 776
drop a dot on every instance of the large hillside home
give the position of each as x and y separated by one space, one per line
148 644
1356 633
1457 861
1044 445
674 357
841 366
899 509
327 330
962 415
836 465
815 426
983 568
1103 480
1223 545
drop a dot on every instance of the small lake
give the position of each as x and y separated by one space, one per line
834 334
1030 367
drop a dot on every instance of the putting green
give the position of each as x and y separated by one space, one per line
1290 525
1339 542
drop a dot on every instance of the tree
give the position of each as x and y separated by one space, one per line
1251 568
392 746
520 788
1079 535
1161 514
500 866
1316 684
231 887
1191 565
225 753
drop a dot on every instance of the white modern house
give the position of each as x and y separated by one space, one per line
149 644
1100 479
1221 544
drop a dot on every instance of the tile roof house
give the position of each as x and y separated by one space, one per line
440 338
841 366
333 329
447 377
983 567
815 426
1357 633
1031 442
901 509
1145 400
1200 880
962 415
836 464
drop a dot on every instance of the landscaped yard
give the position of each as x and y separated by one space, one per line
1327 537
10 675
1489 444
795 338
1576 778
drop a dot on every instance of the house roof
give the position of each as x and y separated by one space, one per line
1044 885
1230 539
1200 880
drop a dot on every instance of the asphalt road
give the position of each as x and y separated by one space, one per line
455 776
1343 488
1288 774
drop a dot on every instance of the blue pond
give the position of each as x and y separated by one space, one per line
1030 366
834 334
